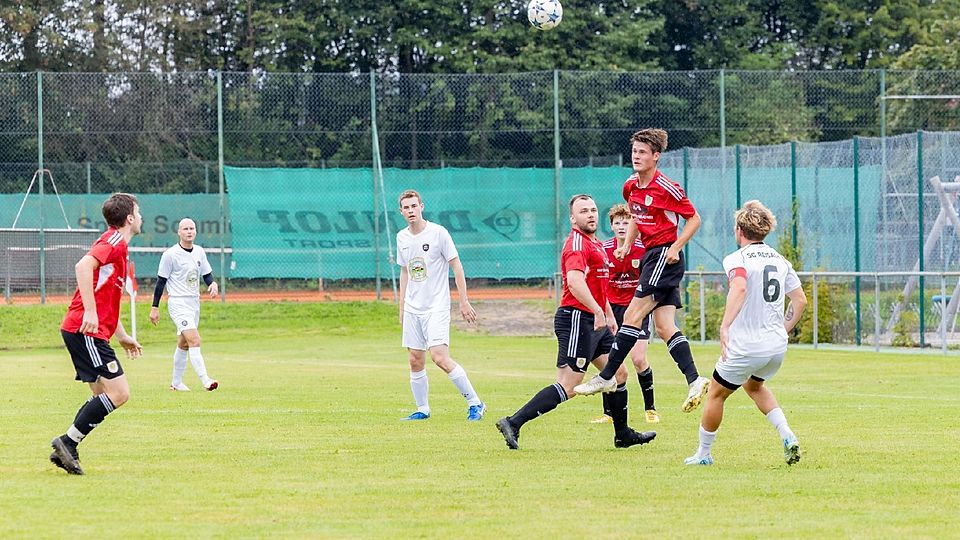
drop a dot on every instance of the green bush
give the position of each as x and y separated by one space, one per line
714 301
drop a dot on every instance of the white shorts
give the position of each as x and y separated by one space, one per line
424 330
185 312
736 371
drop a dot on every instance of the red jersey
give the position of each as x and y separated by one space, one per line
580 252
111 250
625 274
655 208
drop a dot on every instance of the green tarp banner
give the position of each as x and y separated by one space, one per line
309 223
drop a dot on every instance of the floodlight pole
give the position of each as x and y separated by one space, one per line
42 239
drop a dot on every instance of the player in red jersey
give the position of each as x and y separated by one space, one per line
624 276
583 324
92 318
656 203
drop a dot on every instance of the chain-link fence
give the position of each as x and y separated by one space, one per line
497 156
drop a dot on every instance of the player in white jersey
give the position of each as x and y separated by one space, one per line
181 269
753 334
425 253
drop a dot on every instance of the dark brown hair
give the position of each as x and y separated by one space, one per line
117 208
656 138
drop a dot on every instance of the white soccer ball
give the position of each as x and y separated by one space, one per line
544 14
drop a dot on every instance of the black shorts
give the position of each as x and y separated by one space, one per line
578 343
660 279
618 312
92 357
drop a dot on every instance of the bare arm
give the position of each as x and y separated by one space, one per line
798 301
84 271
689 229
466 310
632 233
577 283
404 278
735 299
133 348
611 319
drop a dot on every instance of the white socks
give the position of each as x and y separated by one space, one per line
459 378
196 359
779 420
179 365
706 441
420 386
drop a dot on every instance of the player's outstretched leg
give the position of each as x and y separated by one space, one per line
543 402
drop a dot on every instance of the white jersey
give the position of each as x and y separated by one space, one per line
427 258
758 329
183 270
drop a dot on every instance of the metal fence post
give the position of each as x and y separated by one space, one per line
723 113
737 154
856 229
686 248
223 205
920 232
703 312
876 315
816 314
793 193
943 313
557 164
374 153
42 238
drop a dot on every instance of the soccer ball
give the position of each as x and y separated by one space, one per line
544 14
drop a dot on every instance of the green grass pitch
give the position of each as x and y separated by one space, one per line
302 440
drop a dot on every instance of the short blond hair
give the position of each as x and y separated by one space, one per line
619 211
409 193
755 220
655 137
